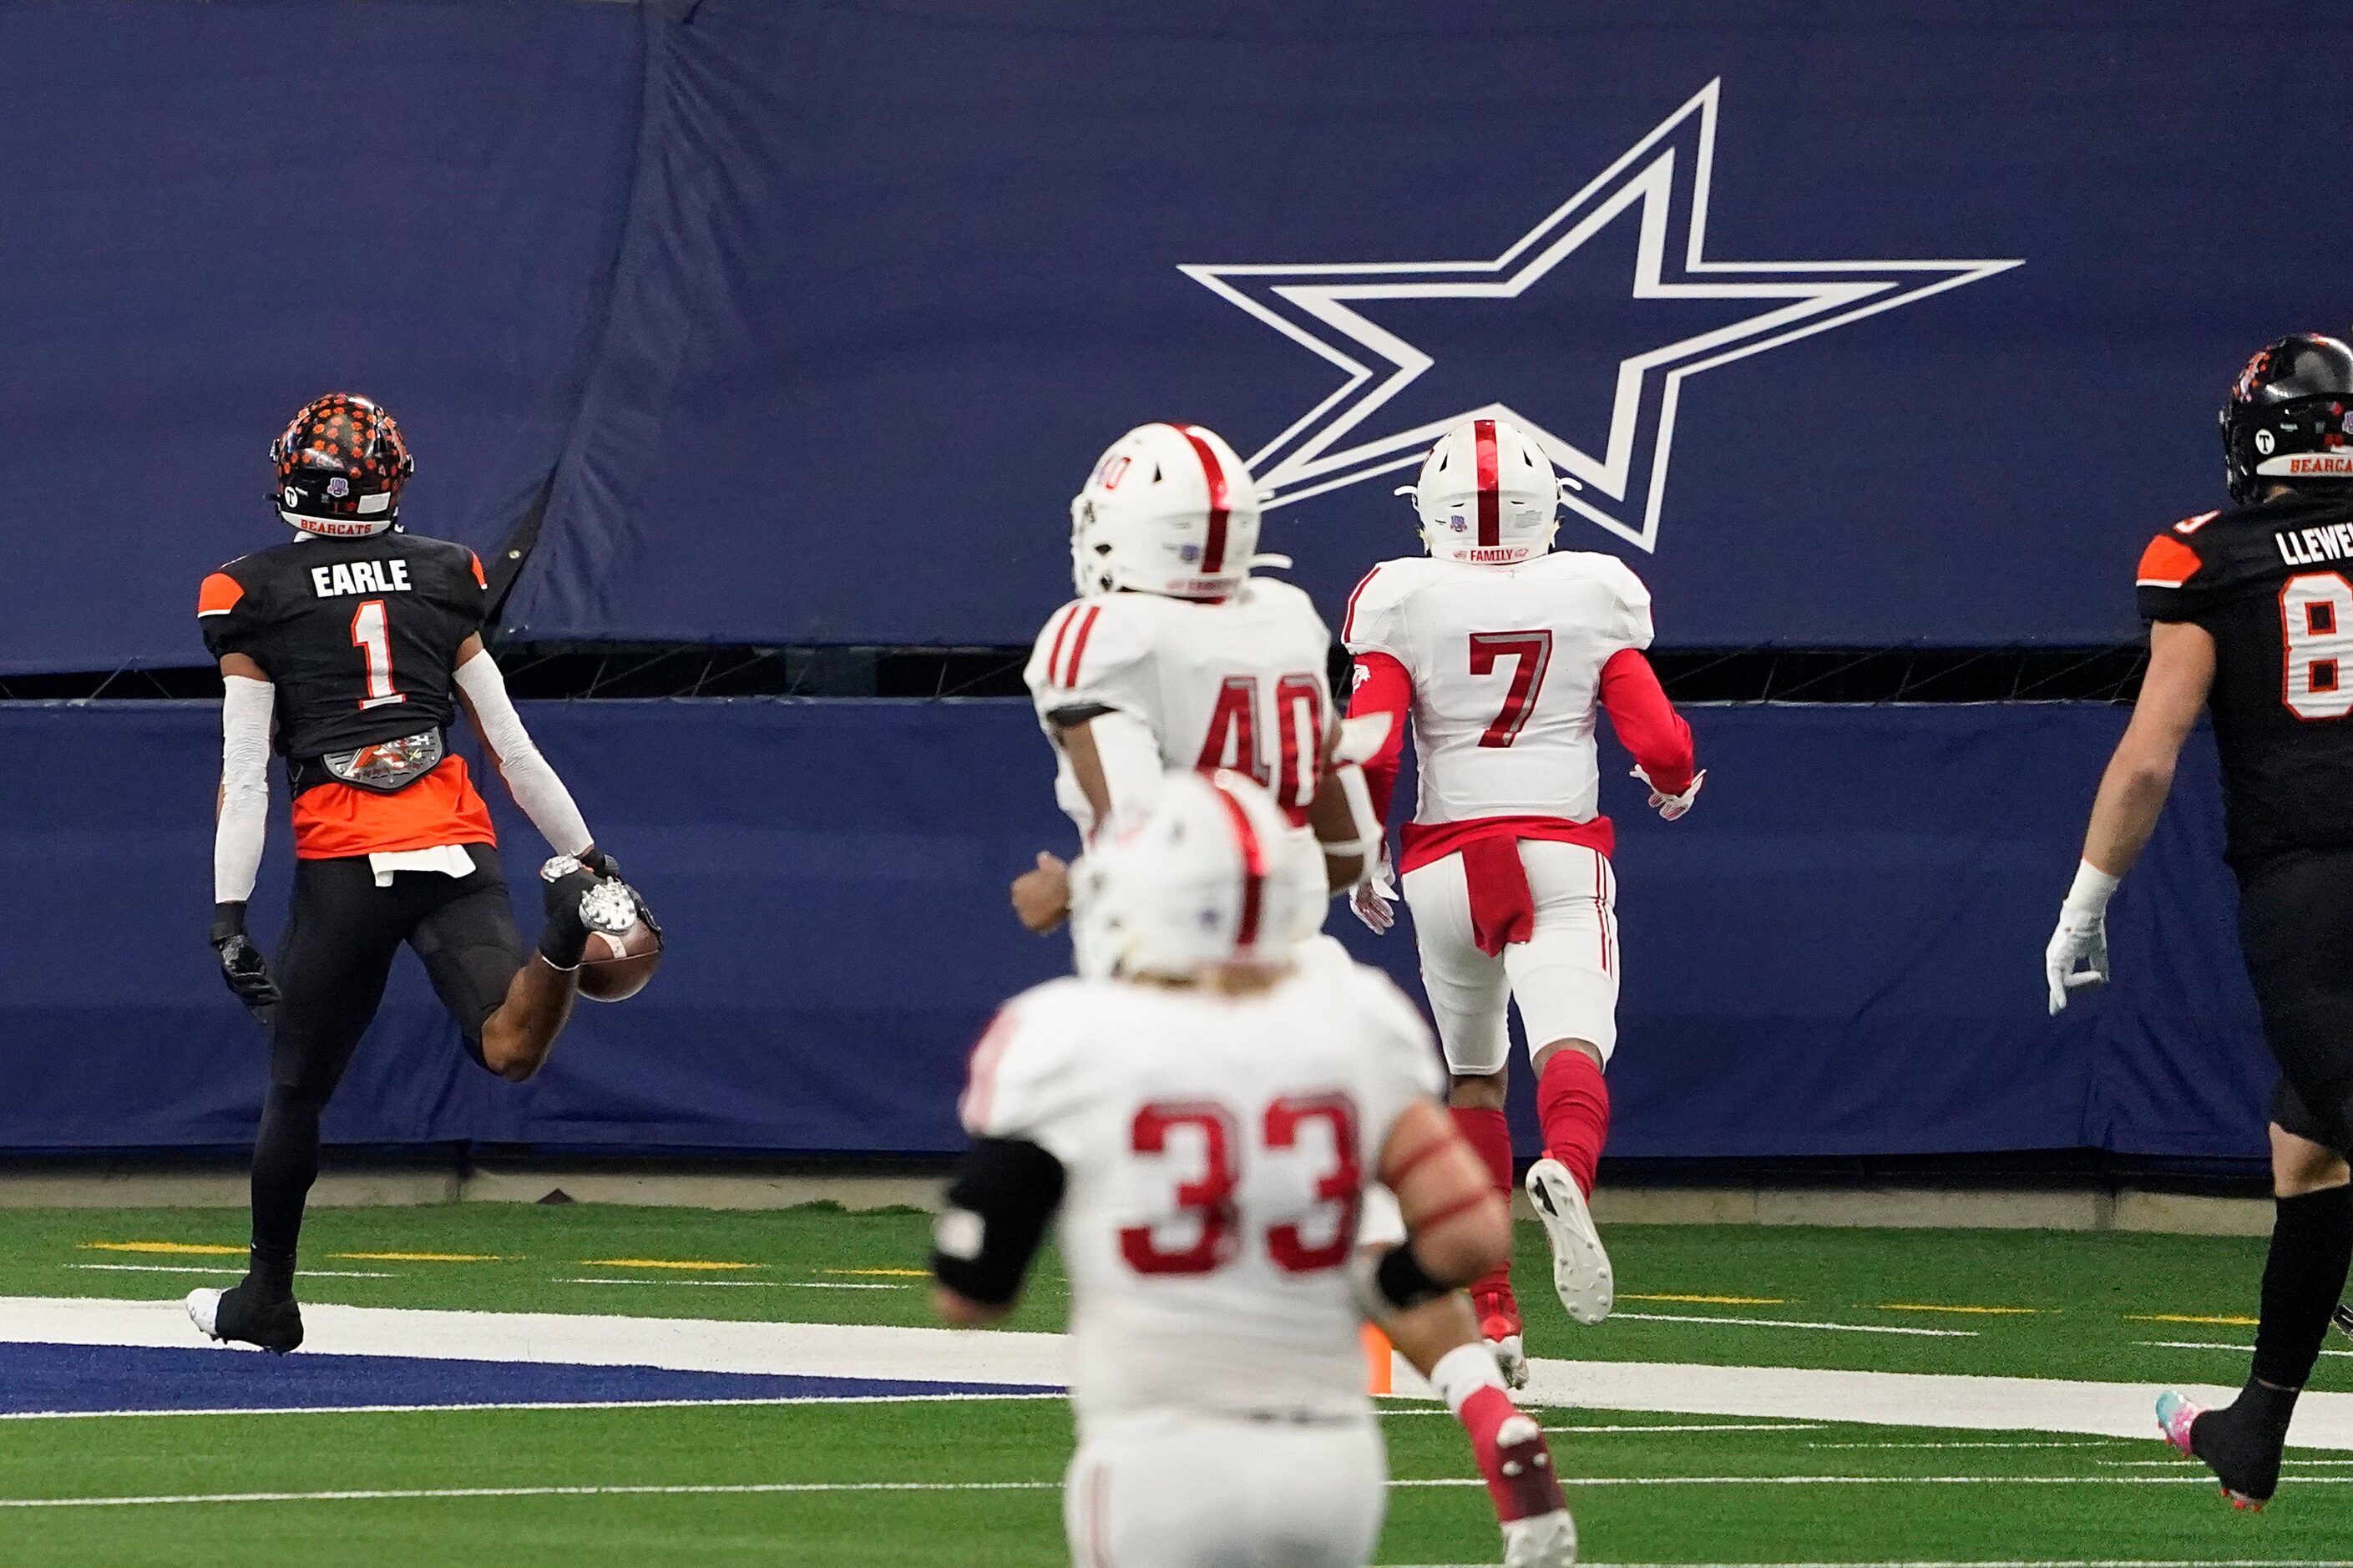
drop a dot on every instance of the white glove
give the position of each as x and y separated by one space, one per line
1670 806
1375 899
2080 937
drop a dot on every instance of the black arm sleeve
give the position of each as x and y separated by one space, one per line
1004 1194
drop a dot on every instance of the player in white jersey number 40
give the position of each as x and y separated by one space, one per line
1500 654
1198 1114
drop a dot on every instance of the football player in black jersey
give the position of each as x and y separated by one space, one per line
358 644
2251 617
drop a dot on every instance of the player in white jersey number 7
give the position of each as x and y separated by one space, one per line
1198 1113
1502 654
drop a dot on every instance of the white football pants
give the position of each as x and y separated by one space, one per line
1182 1489
1563 977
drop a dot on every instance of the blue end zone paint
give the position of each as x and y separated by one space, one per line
49 1379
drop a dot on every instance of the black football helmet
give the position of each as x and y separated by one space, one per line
341 466
2289 417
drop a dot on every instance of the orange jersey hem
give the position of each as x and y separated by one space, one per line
1425 843
335 821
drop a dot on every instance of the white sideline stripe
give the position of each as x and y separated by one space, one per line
749 1488
2001 1404
1710 1427
226 1273
1786 1323
542 1404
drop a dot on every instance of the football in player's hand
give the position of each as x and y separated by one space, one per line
615 966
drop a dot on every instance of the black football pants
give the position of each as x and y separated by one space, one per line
340 940
2296 926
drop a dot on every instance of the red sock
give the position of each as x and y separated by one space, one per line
1490 1137
1573 1103
1512 1456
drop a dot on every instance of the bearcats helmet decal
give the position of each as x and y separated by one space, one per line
341 467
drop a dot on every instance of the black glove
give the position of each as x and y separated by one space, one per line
240 961
597 861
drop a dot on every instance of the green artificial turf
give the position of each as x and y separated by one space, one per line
1719 1494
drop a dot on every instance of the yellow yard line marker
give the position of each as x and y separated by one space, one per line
1975 1311
882 1273
204 1249
2179 1318
659 1263
1710 1301
422 1257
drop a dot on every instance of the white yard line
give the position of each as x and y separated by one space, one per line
1785 1324
2097 1443
2001 1405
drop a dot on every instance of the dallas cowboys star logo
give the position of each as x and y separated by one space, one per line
1371 426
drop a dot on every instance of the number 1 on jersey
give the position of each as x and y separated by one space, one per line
372 635
1530 653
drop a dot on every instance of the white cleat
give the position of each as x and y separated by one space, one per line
204 1311
1581 1268
1511 1360
1548 1541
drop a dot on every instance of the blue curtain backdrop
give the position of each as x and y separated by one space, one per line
1840 951
808 318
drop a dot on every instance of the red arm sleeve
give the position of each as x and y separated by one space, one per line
1382 686
1646 721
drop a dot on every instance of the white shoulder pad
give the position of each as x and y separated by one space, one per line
1375 621
1028 1074
1089 655
1629 596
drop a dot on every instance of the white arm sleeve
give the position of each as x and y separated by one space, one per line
529 779
247 707
1129 755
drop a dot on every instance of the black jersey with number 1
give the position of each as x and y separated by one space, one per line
360 635
2273 583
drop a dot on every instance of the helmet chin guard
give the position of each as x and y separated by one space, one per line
1487 495
1195 875
1169 509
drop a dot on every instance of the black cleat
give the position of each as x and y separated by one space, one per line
241 1313
2343 1319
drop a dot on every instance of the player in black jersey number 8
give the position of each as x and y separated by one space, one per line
2251 617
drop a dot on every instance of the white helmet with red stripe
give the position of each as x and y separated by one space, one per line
1170 509
1487 494
1192 876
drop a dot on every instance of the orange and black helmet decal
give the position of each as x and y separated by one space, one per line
341 457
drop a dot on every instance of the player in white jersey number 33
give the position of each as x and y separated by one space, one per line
1502 654
1198 1114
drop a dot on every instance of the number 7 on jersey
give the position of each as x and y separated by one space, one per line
1530 653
